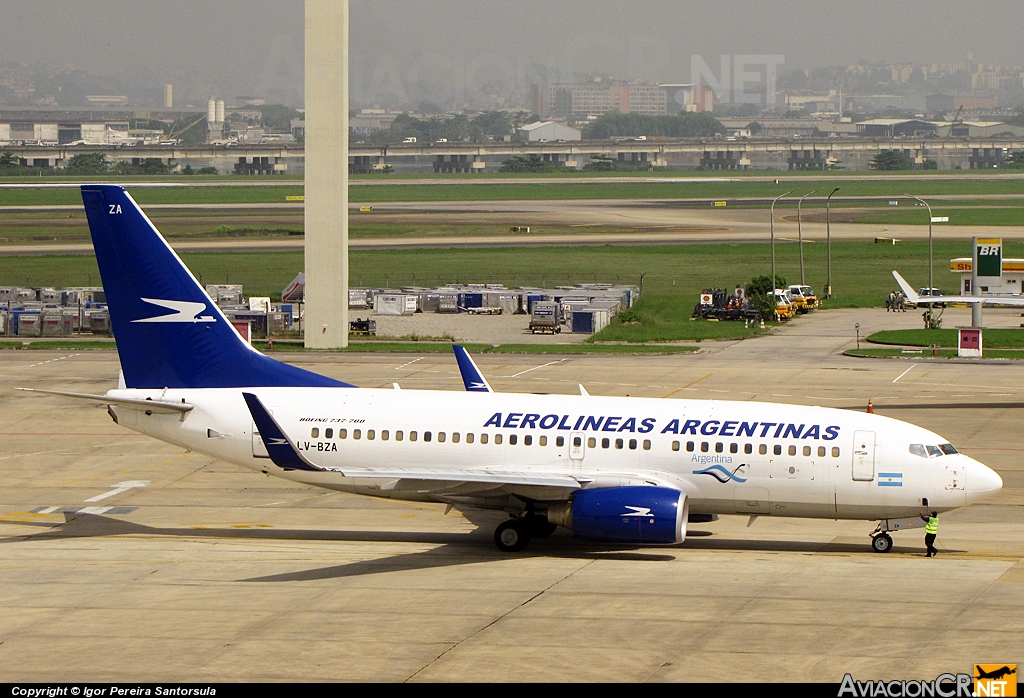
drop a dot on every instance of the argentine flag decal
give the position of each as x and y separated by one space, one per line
890 479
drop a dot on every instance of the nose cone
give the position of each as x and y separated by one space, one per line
982 481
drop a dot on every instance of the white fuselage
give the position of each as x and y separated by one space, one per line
729 457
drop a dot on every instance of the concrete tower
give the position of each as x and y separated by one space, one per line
326 316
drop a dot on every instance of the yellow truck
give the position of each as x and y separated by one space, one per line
784 307
803 298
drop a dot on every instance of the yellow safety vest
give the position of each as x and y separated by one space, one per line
932 526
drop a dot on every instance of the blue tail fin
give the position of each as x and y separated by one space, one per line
169 333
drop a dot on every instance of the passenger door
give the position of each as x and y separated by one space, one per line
864 456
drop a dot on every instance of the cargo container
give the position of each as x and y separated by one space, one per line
359 298
57 324
225 294
545 318
395 304
28 323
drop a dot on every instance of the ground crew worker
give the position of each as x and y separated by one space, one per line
931 529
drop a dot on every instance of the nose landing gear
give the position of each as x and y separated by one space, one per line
881 542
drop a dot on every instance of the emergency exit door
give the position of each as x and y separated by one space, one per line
864 455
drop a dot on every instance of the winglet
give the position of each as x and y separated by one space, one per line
908 290
471 376
279 448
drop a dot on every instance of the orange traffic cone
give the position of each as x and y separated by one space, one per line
871 408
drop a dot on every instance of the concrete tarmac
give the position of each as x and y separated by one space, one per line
124 559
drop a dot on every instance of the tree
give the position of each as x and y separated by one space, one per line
761 294
889 160
929 164
88 164
494 123
684 125
1015 161
9 159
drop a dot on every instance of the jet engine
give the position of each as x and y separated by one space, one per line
639 514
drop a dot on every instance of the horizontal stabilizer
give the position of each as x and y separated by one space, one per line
156 406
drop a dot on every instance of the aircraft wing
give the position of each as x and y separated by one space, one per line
471 375
916 298
159 406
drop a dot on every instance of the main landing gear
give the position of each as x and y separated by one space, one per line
515 534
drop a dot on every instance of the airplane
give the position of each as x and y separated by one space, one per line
915 298
620 470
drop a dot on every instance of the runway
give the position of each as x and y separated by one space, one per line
125 559
555 223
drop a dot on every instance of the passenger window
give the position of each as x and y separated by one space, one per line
577 441
559 441
483 438
427 436
748 448
343 433
632 444
513 440
591 442
792 450
384 435
821 451
527 440
440 437
762 449
704 447
398 436
314 433
734 448
647 444
719 447
469 438
835 451
455 438
606 443
370 434
497 439
777 450
543 441
412 436
675 445
328 433
618 444
357 434
807 451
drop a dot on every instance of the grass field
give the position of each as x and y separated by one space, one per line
533 189
927 353
861 270
993 338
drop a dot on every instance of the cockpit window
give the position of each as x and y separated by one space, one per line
918 450
948 449
934 451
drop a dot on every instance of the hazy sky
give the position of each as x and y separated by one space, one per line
415 47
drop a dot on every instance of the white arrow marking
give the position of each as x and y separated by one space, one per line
119 488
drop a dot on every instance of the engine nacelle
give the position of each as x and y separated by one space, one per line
641 514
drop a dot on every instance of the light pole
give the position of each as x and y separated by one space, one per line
773 235
828 244
800 233
931 282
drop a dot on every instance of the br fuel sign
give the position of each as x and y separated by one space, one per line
988 260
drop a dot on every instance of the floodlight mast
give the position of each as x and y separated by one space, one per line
828 238
773 235
800 233
931 266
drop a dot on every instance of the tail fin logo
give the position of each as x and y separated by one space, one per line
185 311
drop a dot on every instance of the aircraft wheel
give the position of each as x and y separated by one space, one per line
511 536
882 543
